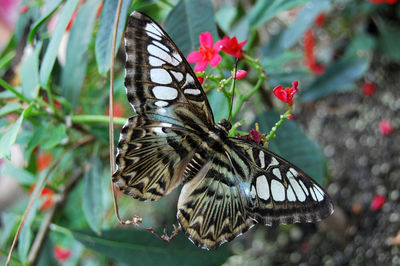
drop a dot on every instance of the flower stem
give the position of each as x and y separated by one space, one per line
272 133
96 119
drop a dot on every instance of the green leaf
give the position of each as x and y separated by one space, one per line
8 139
187 20
52 49
9 108
49 8
24 177
295 31
26 236
104 34
30 73
263 11
219 105
74 71
93 195
56 134
9 223
390 41
339 76
143 248
292 144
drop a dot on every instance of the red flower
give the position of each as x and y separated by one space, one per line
385 127
241 74
310 61
391 2
253 136
62 254
207 53
320 19
43 161
368 89
118 110
232 47
286 94
377 203
46 195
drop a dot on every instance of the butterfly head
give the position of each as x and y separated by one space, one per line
225 125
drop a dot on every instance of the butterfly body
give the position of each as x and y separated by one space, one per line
229 184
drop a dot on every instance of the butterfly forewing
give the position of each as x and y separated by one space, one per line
229 184
160 83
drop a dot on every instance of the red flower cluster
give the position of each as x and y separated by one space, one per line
310 60
368 89
62 254
377 203
208 52
286 94
385 127
391 2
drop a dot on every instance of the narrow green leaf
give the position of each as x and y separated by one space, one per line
9 108
187 20
263 11
104 35
56 134
49 8
143 248
78 43
339 76
295 31
22 176
26 236
30 73
292 144
9 223
52 49
93 196
8 139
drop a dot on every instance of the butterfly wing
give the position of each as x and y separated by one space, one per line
245 185
159 81
152 156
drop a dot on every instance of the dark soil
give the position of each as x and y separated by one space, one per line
362 163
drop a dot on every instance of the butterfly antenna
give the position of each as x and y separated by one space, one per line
233 90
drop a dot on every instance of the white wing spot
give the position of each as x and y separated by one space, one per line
274 162
189 81
159 130
152 28
319 193
290 194
192 91
162 46
296 187
177 56
277 173
177 75
160 75
262 187
253 192
294 172
161 103
154 61
304 187
277 190
261 156
160 53
165 93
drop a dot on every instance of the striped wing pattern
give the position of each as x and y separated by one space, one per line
229 184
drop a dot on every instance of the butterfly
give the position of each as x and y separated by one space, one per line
229 184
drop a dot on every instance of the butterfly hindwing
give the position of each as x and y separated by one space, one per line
277 191
151 157
160 83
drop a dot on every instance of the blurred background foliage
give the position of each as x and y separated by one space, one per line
54 65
